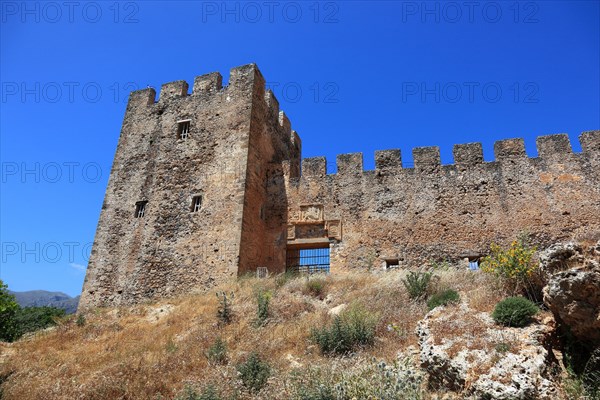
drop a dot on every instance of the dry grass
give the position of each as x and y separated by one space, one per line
142 352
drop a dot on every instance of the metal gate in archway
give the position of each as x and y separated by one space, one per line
310 261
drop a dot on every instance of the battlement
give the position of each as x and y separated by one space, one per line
243 79
427 159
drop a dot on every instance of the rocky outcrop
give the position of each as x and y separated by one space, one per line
573 296
463 350
560 257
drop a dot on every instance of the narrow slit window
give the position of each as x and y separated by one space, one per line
183 129
196 203
140 209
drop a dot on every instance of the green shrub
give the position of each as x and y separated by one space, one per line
262 312
208 393
320 392
443 298
315 286
16 321
514 311
224 312
30 319
400 380
80 320
348 331
171 346
502 347
516 267
254 373
8 311
417 283
217 352
313 383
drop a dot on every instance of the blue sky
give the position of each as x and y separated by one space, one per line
352 76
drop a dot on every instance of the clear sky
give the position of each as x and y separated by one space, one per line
352 76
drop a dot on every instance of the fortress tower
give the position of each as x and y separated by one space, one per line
206 186
187 203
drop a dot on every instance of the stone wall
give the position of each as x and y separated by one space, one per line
434 212
243 159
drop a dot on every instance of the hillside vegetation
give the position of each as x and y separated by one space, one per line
167 350
445 333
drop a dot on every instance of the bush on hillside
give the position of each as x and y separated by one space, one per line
262 310
350 330
514 311
417 283
31 319
224 312
315 286
8 311
514 265
217 353
443 298
16 321
254 372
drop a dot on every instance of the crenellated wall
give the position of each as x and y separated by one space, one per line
435 211
261 203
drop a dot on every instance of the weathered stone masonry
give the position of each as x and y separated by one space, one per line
243 160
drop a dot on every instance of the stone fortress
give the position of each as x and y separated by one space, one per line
210 185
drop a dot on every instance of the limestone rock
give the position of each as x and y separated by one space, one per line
573 296
464 351
559 257
337 309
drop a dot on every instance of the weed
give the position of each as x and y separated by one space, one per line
443 298
171 346
80 320
208 393
217 352
416 284
315 286
262 312
348 331
254 373
224 312
502 347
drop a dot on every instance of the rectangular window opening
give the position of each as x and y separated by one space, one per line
392 263
196 203
473 264
262 272
140 209
308 261
183 129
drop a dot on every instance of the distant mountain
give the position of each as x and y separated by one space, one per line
40 298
